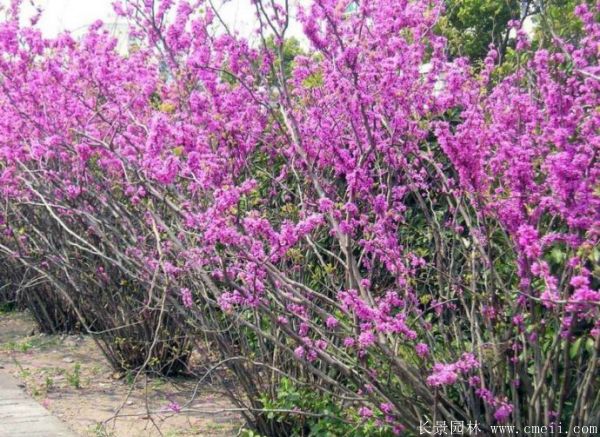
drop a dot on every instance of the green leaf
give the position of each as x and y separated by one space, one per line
574 350
589 345
314 80
557 255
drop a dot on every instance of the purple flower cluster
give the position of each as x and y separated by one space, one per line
448 374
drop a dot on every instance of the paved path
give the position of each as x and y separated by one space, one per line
21 416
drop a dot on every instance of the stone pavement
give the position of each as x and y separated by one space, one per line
21 416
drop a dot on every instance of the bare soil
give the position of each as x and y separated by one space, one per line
69 376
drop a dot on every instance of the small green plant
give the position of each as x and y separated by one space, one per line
14 346
129 377
98 430
7 307
329 418
249 433
157 383
74 378
49 383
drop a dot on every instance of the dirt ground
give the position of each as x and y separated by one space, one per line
69 376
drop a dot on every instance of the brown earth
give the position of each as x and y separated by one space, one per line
69 376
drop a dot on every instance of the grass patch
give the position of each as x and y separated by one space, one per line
16 346
74 377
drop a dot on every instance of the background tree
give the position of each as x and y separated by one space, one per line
472 25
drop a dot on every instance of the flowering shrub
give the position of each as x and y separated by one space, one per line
414 243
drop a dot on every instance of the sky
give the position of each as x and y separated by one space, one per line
76 15
72 15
